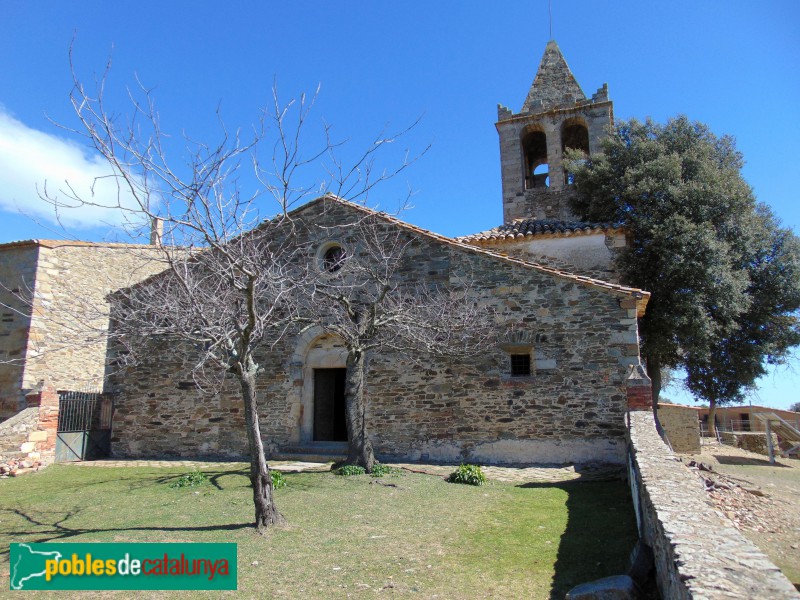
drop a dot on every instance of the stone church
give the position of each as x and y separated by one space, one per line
554 392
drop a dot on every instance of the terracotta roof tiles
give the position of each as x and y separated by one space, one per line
529 228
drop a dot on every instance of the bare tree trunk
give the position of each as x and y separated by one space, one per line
266 512
360 446
712 417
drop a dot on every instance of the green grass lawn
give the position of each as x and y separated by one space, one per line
346 537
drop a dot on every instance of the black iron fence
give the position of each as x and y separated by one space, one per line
84 425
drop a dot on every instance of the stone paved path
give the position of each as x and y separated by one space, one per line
504 474
530 474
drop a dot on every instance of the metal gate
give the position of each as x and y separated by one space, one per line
84 426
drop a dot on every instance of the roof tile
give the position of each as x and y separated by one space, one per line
528 228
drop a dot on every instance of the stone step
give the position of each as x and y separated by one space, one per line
312 453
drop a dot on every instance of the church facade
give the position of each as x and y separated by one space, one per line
553 391
549 389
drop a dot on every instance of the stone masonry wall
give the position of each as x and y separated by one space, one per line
14 432
681 427
67 341
161 411
570 409
698 553
17 279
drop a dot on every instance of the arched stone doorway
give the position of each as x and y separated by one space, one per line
321 358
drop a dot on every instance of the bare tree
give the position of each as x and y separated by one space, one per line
366 296
229 282
219 306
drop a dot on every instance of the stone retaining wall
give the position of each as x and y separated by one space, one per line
698 553
751 441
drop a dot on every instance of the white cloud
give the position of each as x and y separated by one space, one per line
31 158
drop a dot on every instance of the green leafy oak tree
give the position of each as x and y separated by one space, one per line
724 275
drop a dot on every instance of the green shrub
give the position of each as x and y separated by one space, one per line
189 480
349 470
467 474
278 480
379 470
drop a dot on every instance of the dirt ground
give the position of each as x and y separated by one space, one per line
762 500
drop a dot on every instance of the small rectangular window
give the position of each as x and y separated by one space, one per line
520 365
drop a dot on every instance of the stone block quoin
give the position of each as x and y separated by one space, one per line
45 398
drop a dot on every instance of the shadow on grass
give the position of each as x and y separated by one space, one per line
139 482
746 460
599 536
55 529
51 526
213 477
217 478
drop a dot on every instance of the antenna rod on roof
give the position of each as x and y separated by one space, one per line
550 8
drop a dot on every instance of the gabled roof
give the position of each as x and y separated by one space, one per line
527 229
554 84
639 295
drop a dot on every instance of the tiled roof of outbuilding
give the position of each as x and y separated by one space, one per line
528 228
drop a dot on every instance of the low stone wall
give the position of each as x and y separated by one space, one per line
698 553
752 441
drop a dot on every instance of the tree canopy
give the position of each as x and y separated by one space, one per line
723 274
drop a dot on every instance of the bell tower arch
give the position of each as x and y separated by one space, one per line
556 116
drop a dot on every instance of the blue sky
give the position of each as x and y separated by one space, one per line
731 64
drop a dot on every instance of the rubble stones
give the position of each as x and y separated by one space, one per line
747 508
14 467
